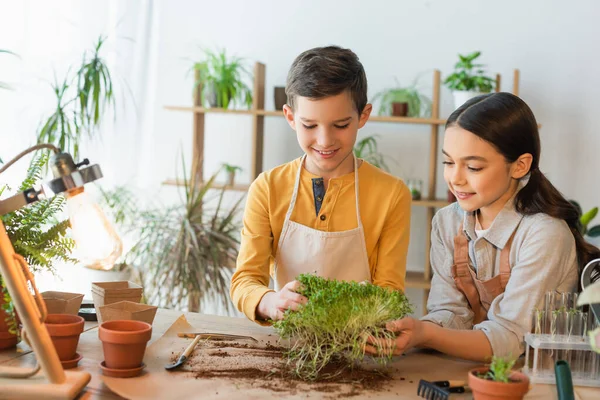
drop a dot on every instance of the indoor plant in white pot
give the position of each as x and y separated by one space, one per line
469 79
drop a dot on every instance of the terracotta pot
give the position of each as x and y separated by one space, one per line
399 109
124 343
280 97
7 340
64 330
484 389
127 310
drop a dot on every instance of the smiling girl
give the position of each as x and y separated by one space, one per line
510 237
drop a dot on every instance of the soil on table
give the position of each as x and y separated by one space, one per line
263 365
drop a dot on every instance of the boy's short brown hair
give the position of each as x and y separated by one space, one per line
327 71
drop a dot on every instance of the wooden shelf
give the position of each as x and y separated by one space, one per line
415 279
430 203
275 113
239 187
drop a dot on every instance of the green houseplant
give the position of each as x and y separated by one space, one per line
223 80
498 380
37 236
585 219
367 149
187 252
4 85
333 327
231 170
469 79
417 104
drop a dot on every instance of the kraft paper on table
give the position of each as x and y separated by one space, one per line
157 383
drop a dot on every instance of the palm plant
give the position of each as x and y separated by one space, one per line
81 104
222 80
188 252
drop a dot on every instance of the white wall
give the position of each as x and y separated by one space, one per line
553 43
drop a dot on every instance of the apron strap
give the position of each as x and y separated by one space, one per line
356 191
295 193
463 277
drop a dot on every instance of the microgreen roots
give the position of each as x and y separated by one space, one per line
334 325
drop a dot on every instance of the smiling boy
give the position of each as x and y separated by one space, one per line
327 212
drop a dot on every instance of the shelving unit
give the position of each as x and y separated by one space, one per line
414 279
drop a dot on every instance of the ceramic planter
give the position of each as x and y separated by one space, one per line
127 310
124 343
462 96
280 97
484 389
62 302
105 293
64 330
399 109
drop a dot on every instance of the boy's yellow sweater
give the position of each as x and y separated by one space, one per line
385 213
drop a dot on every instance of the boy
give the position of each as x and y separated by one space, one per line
326 213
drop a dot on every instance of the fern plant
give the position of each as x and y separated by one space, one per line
35 233
333 327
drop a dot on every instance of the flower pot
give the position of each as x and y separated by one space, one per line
400 109
105 293
462 96
128 310
124 343
484 389
64 330
62 302
280 97
7 339
231 178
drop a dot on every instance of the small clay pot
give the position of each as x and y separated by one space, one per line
484 389
399 109
280 97
7 339
124 343
64 330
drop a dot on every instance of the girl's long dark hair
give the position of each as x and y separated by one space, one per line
508 124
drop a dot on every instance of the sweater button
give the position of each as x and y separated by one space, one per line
323 217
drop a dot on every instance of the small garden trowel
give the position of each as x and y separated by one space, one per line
184 356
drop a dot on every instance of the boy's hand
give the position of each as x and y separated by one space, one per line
274 304
409 333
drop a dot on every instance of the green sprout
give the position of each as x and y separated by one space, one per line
333 327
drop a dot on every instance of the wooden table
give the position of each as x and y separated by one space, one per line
412 367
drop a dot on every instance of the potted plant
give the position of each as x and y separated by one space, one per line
498 381
223 80
585 219
469 79
403 101
231 170
280 97
337 321
188 252
81 100
367 149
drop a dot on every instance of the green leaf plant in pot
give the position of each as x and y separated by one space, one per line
222 80
367 149
469 79
402 101
231 171
498 381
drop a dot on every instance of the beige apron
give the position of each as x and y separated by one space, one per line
333 255
479 294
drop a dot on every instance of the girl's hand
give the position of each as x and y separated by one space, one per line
409 333
274 304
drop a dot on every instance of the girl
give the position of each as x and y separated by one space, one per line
510 238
